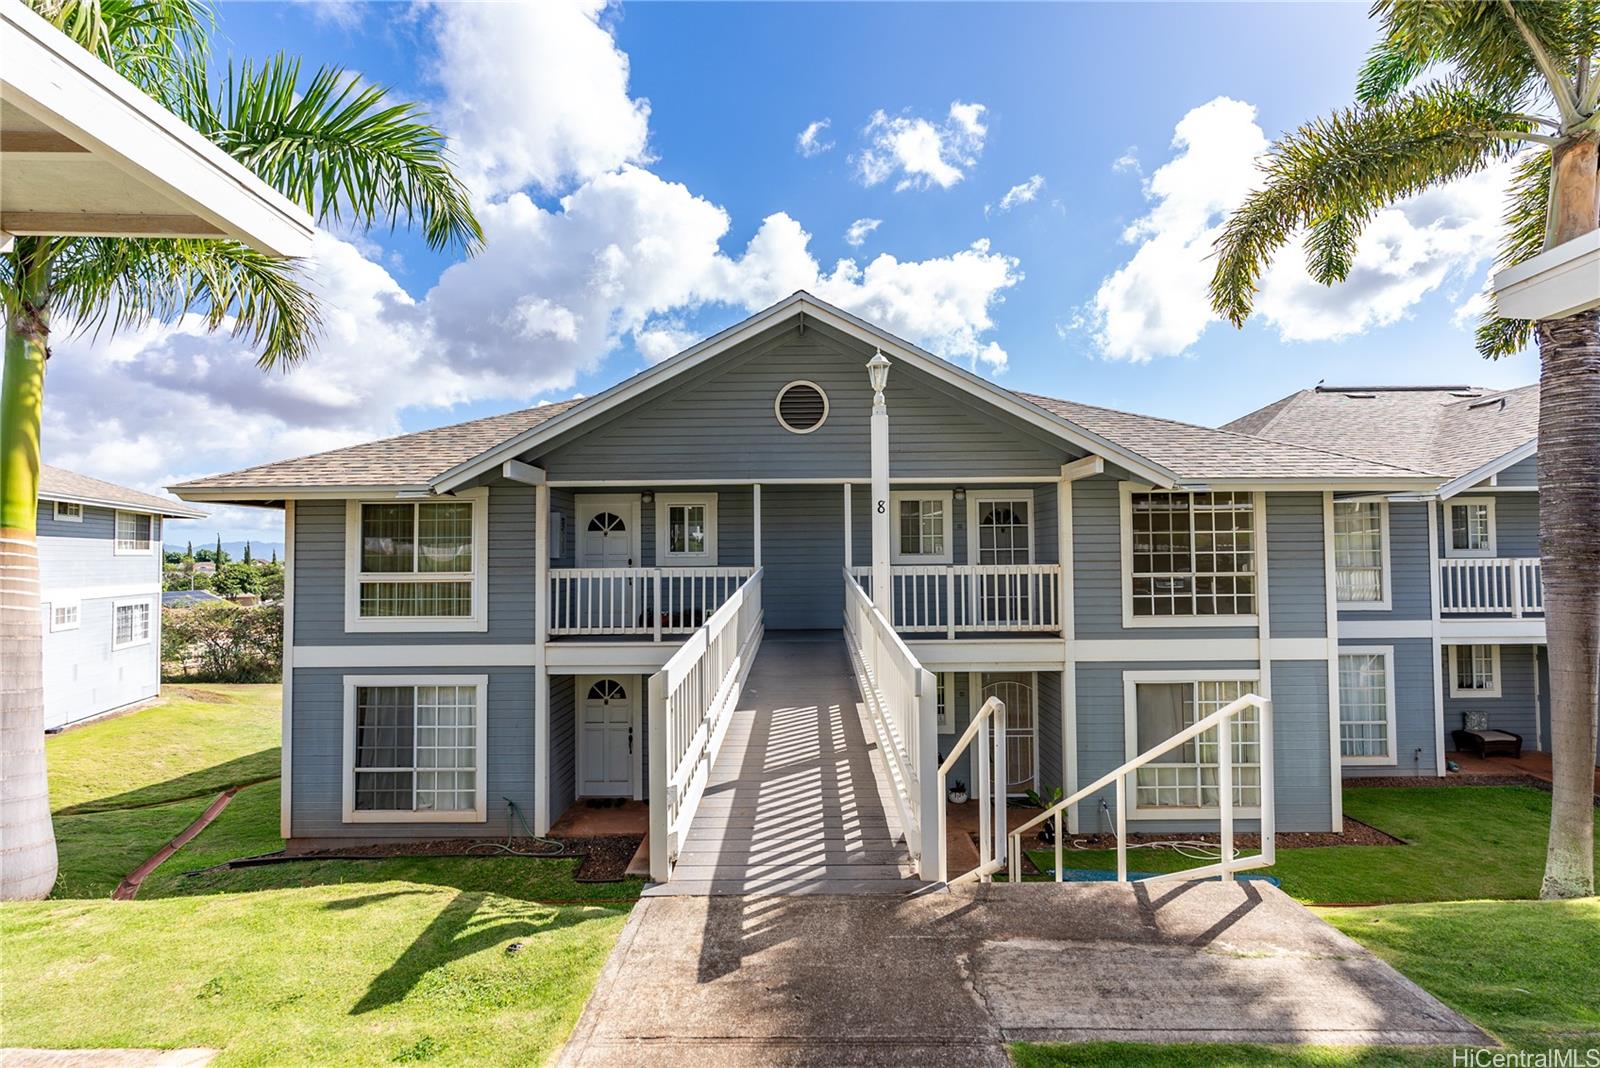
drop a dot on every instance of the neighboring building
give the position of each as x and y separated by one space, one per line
1441 604
100 594
185 598
493 598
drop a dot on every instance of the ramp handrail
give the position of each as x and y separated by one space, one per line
900 697
991 820
691 699
1222 721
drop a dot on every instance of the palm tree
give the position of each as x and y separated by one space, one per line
1449 89
340 148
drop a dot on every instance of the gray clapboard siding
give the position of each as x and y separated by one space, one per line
1297 584
1521 473
319 559
1300 706
563 743
1049 731
1516 523
802 552
720 424
319 758
1416 749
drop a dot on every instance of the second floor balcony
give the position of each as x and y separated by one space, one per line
1494 586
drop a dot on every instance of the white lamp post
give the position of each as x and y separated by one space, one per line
882 593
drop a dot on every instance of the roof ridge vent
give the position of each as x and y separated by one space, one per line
1466 395
1362 396
1491 402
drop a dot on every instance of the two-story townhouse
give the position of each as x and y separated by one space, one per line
515 610
100 594
1440 597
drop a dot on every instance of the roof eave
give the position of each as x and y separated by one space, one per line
168 511
257 495
1493 467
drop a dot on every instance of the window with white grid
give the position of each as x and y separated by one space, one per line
65 615
1366 712
416 748
945 692
1474 671
1187 776
130 624
134 530
416 561
1471 527
1193 554
923 534
69 512
1358 551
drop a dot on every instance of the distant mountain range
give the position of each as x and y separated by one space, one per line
260 550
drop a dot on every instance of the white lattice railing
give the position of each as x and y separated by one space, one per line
963 598
899 694
1491 585
1222 722
692 699
638 600
989 778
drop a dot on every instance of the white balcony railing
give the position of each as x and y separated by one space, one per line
691 704
651 601
1498 586
967 598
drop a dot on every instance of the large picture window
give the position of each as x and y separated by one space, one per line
1359 553
414 748
1366 706
921 528
416 564
1187 777
1191 555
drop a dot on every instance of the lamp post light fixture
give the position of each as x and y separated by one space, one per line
882 594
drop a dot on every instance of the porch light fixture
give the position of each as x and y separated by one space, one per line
961 493
878 371
647 497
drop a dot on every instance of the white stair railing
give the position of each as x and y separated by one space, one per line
692 699
900 697
989 777
1223 722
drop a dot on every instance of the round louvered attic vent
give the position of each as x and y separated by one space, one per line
801 407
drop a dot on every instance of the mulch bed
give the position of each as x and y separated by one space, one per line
605 857
1355 833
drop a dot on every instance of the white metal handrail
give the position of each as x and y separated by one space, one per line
963 598
990 721
691 701
1222 721
1491 585
638 600
900 697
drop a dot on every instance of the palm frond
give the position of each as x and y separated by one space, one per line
1349 165
111 283
1496 337
1527 204
337 146
1390 66
1331 245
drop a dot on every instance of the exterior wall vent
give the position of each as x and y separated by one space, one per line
801 407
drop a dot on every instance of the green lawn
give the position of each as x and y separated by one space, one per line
325 962
1464 843
1523 970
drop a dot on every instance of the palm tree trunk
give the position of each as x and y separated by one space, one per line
27 840
1569 541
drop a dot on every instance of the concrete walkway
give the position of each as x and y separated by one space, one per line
950 976
794 804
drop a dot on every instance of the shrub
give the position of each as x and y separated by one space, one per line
217 641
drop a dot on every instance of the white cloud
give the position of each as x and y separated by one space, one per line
856 235
1127 162
921 152
1157 303
810 141
1021 193
535 94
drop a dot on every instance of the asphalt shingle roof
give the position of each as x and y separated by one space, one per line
1446 431
407 460
59 484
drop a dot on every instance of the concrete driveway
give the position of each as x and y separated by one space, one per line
950 976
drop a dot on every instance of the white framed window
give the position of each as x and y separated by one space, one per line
922 527
686 529
1183 782
130 623
69 512
65 615
1366 704
1000 527
1361 554
1469 527
137 533
414 748
944 704
1190 557
1474 671
417 565
801 407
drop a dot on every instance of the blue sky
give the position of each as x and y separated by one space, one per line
1090 290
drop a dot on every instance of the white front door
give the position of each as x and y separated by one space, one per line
608 537
1000 532
606 716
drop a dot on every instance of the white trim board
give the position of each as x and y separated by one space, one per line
1113 650
455 654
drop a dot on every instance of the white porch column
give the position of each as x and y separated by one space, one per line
849 532
882 593
541 688
756 531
